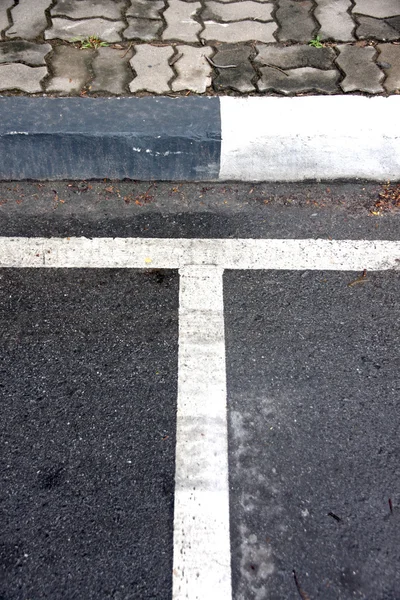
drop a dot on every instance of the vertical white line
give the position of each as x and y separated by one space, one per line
202 569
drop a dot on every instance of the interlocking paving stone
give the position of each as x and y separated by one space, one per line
65 29
70 69
390 55
293 81
295 20
25 52
233 1
29 19
380 9
293 57
215 11
152 68
394 22
180 22
143 29
240 31
4 5
111 71
76 9
143 9
362 74
335 21
238 77
226 24
194 71
375 28
21 77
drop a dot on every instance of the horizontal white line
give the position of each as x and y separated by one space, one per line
139 253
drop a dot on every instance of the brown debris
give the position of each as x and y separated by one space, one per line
389 199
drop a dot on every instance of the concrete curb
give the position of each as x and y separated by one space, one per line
115 138
310 137
201 138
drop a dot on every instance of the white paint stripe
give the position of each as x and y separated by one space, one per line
349 255
313 137
201 520
201 523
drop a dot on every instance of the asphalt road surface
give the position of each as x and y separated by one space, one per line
191 408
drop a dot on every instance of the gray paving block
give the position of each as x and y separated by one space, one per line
215 11
378 29
112 72
29 19
76 9
25 52
295 20
151 64
21 77
4 5
66 29
394 22
291 57
296 81
336 23
240 31
389 55
239 76
143 29
233 1
362 74
70 69
380 9
143 9
194 71
181 24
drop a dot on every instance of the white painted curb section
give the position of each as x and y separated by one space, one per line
311 137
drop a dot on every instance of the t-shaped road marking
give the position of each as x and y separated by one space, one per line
202 559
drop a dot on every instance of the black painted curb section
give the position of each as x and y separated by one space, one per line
116 138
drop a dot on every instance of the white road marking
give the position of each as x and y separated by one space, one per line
201 522
348 255
202 569
313 137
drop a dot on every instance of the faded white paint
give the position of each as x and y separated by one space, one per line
202 567
137 253
313 137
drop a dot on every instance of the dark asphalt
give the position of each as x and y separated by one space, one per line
140 209
314 431
88 375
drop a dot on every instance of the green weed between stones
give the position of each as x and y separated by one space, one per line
92 41
316 42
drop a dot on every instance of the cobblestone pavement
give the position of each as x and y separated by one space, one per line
204 47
